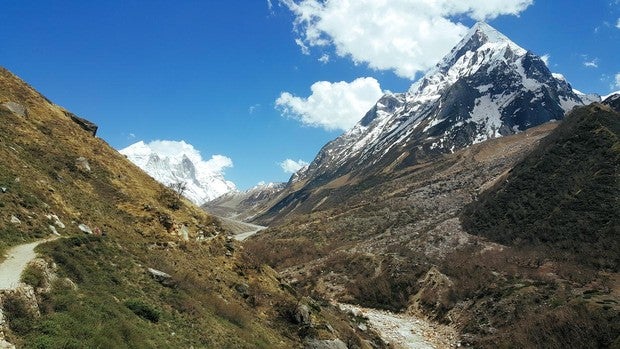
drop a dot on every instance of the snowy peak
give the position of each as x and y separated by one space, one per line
481 37
172 162
485 87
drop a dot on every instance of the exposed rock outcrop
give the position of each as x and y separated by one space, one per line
84 124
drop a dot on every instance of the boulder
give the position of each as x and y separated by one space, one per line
161 277
82 164
16 108
53 230
184 233
83 123
57 221
85 228
302 315
15 220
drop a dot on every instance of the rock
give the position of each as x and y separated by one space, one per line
362 327
85 228
302 315
243 289
83 123
161 277
53 230
324 344
15 220
6 345
4 189
56 220
184 233
16 108
82 164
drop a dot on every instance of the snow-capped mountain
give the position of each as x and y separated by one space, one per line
201 182
486 87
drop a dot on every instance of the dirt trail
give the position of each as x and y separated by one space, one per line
403 331
16 260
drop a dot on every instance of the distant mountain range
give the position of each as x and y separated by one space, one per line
486 87
201 185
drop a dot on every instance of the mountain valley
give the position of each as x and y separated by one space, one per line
479 209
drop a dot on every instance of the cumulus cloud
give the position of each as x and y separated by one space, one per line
618 24
324 58
405 36
176 149
617 78
292 166
332 106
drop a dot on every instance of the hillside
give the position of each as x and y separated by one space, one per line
396 242
137 266
564 195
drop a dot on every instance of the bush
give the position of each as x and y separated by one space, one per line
19 316
33 276
230 311
143 310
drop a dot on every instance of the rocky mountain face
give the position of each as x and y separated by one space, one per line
486 87
200 185
243 205
136 267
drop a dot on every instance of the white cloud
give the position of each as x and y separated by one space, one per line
545 58
332 106
406 36
324 58
292 166
176 149
618 24
617 77
591 63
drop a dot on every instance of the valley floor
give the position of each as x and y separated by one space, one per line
403 331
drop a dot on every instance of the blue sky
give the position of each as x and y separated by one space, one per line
213 73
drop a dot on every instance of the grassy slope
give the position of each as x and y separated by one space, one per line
565 195
116 301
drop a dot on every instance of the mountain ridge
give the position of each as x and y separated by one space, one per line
486 87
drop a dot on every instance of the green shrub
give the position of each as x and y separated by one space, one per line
18 314
143 310
33 276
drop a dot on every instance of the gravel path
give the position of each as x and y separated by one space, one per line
16 260
405 331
